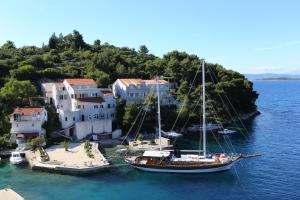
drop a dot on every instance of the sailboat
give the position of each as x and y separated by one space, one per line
185 161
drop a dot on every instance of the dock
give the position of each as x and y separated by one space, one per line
9 194
75 161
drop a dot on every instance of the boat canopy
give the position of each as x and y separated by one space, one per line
156 154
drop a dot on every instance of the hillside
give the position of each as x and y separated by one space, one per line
69 56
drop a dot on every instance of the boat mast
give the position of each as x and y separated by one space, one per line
204 109
158 113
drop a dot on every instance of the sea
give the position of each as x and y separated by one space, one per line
275 134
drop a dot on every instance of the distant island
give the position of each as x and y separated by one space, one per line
272 76
278 79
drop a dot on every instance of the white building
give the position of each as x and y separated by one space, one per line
82 107
26 123
135 90
47 89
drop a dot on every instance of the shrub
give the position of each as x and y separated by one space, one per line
5 143
140 137
65 144
87 148
37 142
87 145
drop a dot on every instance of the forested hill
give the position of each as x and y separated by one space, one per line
70 56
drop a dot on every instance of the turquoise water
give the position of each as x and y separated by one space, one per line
275 175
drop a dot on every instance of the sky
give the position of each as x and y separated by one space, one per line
254 36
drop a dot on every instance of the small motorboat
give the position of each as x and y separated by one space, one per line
227 132
171 134
16 158
209 127
121 150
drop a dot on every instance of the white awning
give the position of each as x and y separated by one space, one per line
156 153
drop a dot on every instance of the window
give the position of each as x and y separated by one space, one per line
61 97
73 119
32 125
112 115
108 105
57 106
63 88
17 125
101 106
82 106
95 116
131 94
72 96
79 106
66 119
95 106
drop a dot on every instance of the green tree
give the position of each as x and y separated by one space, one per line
97 44
53 41
130 114
78 41
26 72
37 142
15 92
120 111
102 78
8 45
143 49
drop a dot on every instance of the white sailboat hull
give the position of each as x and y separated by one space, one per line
189 171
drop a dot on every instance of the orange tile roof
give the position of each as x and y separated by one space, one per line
28 111
154 81
91 99
81 81
128 82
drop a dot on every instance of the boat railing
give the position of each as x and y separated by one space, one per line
191 151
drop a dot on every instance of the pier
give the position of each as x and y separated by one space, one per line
9 194
74 161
